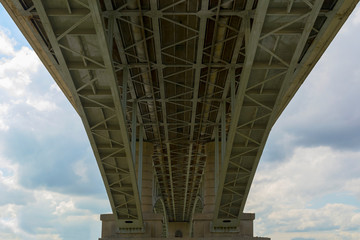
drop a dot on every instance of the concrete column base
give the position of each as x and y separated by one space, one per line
201 229
152 225
176 238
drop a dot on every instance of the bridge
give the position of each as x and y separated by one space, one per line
178 98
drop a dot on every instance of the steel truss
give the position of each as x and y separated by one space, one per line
271 39
180 74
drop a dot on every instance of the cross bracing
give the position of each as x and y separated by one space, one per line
179 74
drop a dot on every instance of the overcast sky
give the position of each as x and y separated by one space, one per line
307 185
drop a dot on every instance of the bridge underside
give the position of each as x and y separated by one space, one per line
180 78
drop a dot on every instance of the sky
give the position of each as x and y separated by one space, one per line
307 186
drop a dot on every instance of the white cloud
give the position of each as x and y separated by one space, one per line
64 206
7 44
307 171
33 107
4 108
44 214
283 193
8 173
353 186
317 235
80 169
20 89
331 216
356 17
55 87
41 104
15 71
10 227
8 218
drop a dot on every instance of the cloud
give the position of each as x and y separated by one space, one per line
41 130
50 185
352 186
356 17
307 183
328 118
57 214
15 70
28 213
336 217
18 70
316 235
13 195
55 87
49 216
41 104
64 207
68 166
6 46
289 196
4 108
308 173
80 168
323 111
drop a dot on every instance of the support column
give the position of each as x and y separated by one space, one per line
152 221
202 221
209 179
147 177
244 231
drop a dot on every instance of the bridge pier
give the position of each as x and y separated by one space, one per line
153 222
152 228
202 228
200 224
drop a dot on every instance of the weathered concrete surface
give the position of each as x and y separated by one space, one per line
212 238
110 230
202 226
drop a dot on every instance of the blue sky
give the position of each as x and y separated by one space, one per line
307 185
